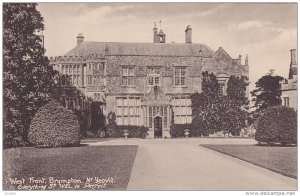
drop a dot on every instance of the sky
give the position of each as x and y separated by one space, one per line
265 31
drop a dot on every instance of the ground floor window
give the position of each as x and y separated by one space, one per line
128 110
182 110
72 102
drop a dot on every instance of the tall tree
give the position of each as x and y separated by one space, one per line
267 92
28 78
236 90
214 113
210 85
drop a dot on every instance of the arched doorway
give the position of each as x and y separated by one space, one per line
157 127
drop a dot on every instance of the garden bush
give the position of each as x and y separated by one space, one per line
134 131
54 126
177 130
117 131
277 125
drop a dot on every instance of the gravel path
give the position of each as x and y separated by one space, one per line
184 165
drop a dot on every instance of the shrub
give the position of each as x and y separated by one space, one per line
54 126
83 122
177 130
277 124
112 127
117 131
134 131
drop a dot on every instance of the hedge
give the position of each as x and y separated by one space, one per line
134 131
277 125
177 130
54 126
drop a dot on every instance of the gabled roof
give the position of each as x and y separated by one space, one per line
140 49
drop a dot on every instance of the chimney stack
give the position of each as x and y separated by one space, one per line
188 34
80 38
155 34
293 66
293 57
246 60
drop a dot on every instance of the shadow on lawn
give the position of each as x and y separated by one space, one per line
275 145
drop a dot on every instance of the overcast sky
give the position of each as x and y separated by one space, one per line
266 32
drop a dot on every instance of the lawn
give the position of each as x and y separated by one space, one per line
282 160
110 165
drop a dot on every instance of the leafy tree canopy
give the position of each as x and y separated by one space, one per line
213 113
267 92
28 78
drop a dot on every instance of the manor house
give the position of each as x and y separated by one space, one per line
289 86
145 84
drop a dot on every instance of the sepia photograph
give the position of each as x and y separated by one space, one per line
157 96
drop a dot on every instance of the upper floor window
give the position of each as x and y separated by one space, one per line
154 75
286 101
222 80
180 76
89 80
221 89
128 76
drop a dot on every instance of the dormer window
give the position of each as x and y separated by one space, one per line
154 75
180 76
128 76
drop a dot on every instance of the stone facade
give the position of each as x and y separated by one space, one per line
145 84
289 86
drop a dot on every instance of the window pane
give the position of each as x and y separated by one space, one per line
131 102
176 72
189 119
119 111
131 72
182 80
183 110
124 72
125 80
183 72
130 81
176 81
125 102
138 102
151 80
125 120
131 111
119 101
150 122
188 102
156 80
119 120
189 111
161 111
137 111
150 111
